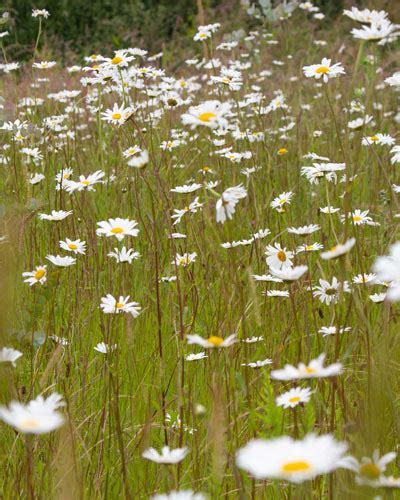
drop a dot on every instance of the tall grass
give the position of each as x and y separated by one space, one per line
145 393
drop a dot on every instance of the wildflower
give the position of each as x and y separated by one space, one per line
166 456
105 348
225 206
362 279
359 122
313 247
212 341
209 113
324 70
259 364
283 199
328 293
375 32
294 397
338 250
186 188
196 357
36 178
118 227
117 115
139 161
44 64
378 297
75 246
61 261
278 257
289 273
252 340
332 330
322 171
396 156
394 80
55 215
37 417
304 230
387 268
329 210
85 182
366 16
379 139
9 355
39 275
110 305
185 259
294 461
192 208
40 13
120 60
315 369
370 470
277 293
124 255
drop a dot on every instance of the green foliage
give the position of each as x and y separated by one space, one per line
100 25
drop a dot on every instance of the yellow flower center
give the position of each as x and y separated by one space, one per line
309 247
282 151
39 274
116 60
72 246
357 218
206 169
93 57
85 182
29 423
206 117
299 466
371 471
117 230
281 256
118 305
116 116
294 399
374 138
322 70
310 370
215 341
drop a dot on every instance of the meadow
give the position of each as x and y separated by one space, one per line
200 265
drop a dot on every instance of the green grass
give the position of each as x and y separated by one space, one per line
116 404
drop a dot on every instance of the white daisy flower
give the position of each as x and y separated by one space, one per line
291 460
110 305
9 355
37 417
118 227
294 397
212 341
167 456
314 369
